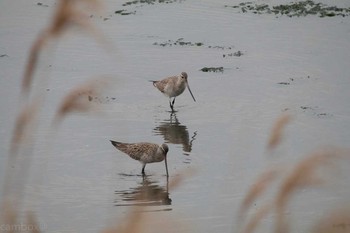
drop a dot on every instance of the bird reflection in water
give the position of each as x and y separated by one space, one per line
147 193
176 133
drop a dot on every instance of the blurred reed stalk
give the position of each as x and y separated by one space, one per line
80 98
335 221
68 13
305 174
255 191
277 131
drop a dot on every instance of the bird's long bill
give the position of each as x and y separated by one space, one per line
188 86
166 167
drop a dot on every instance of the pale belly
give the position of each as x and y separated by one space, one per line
173 91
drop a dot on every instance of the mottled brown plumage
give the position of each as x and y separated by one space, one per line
173 87
144 152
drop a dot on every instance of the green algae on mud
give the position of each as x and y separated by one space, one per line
300 8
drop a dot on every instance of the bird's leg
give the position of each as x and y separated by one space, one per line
143 169
174 101
171 105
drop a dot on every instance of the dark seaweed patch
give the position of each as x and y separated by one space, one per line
101 99
235 54
213 69
124 12
151 2
220 47
300 8
140 3
41 4
284 83
295 79
315 111
180 42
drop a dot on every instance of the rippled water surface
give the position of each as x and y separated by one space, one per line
79 182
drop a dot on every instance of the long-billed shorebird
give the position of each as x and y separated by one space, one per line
144 152
173 86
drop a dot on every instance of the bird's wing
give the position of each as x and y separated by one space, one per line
136 150
161 85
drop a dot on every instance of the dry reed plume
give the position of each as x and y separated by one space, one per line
22 128
336 221
257 189
79 98
8 215
68 13
305 174
254 221
32 222
178 179
132 223
13 187
22 133
277 131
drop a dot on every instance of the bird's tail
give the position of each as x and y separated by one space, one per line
116 144
121 146
154 82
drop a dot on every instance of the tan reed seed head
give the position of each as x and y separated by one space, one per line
309 172
335 221
22 129
256 218
305 174
277 131
258 188
9 215
33 225
79 99
68 13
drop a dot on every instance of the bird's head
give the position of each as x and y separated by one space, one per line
184 75
164 148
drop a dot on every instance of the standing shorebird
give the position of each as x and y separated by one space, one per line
144 152
173 86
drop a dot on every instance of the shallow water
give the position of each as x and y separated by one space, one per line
289 65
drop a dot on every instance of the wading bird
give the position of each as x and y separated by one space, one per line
144 152
173 87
